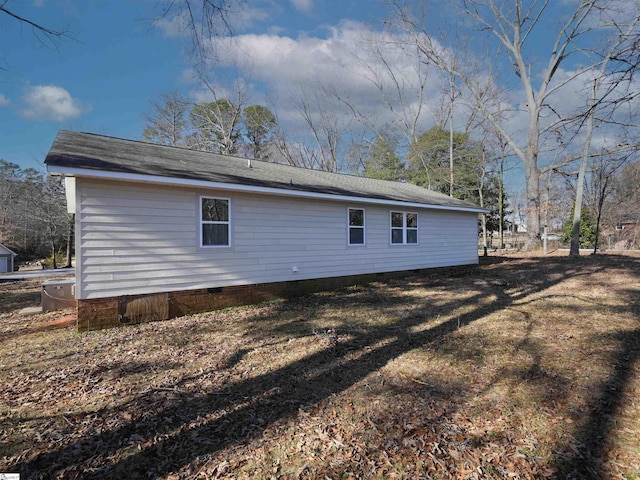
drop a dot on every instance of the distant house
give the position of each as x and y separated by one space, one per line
626 233
6 259
163 231
628 222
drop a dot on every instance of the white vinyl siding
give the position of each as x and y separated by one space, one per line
137 239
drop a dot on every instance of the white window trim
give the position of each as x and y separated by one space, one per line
404 228
363 227
203 222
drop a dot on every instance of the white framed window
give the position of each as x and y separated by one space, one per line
404 228
356 226
215 224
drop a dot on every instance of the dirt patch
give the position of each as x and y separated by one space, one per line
66 321
526 367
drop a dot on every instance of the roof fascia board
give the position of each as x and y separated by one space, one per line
11 252
136 177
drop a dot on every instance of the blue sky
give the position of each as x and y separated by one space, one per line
118 58
114 62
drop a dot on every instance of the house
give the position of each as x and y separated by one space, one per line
6 259
164 231
626 233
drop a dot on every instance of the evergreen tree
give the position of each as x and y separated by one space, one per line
383 163
587 230
260 125
428 161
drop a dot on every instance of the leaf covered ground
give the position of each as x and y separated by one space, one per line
522 367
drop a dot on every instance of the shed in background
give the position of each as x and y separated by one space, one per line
6 259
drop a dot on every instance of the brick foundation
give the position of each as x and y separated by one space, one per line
96 314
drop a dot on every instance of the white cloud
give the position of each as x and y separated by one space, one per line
178 21
49 102
247 17
173 26
3 100
302 5
344 60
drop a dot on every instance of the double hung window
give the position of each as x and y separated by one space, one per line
356 226
214 222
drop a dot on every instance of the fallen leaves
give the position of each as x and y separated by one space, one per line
460 376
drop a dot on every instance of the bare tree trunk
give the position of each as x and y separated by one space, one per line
501 202
452 100
481 198
602 194
532 175
70 230
577 209
451 154
54 264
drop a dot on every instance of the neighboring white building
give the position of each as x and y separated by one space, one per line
6 259
153 221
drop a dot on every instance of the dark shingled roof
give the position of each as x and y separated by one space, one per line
88 151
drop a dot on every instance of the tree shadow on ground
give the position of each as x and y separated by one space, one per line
197 424
586 460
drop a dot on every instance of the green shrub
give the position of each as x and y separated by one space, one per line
587 230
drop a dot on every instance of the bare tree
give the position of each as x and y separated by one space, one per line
202 20
216 124
623 203
403 93
603 170
600 107
513 23
10 178
167 122
41 31
321 110
51 214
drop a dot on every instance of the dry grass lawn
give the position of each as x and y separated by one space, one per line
524 367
